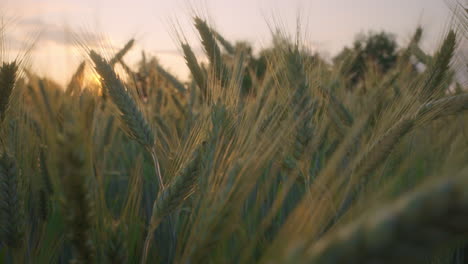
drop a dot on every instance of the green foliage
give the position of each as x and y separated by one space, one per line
379 49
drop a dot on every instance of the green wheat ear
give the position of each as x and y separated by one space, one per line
132 118
195 69
8 74
10 206
212 50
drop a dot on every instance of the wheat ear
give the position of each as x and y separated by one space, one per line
439 67
135 124
10 207
171 78
77 79
447 106
195 69
172 197
225 43
72 164
119 55
212 49
8 74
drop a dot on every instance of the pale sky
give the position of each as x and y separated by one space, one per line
327 25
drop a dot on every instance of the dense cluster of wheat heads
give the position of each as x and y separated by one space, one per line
271 158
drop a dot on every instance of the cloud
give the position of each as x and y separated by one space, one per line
37 20
31 8
20 33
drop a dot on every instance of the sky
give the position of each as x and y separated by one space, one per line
326 25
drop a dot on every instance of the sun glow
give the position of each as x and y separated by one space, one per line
92 80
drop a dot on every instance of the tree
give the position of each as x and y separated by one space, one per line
379 49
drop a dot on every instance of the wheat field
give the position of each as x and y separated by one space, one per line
278 157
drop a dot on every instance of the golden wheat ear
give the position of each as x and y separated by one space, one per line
76 81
